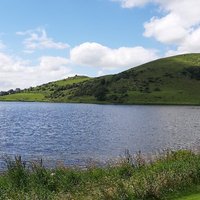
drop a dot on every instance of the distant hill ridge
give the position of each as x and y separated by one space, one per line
173 80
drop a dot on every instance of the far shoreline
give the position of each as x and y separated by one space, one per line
104 103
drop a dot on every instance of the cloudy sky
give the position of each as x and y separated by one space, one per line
42 41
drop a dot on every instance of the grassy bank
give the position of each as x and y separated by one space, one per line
174 175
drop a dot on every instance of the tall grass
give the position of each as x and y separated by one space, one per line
134 177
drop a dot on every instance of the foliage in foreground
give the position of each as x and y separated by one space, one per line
133 178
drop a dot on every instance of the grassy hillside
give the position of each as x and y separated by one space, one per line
173 80
43 92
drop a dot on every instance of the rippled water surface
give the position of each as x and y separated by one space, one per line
75 132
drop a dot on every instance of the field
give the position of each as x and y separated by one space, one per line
25 97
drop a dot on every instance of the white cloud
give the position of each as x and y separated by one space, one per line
38 39
191 44
132 3
180 21
15 72
178 24
97 55
100 73
166 30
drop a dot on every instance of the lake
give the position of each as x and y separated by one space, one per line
75 133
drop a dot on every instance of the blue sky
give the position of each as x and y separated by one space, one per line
75 21
42 41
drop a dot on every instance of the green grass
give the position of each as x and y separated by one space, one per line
70 81
25 96
174 80
190 197
171 176
41 93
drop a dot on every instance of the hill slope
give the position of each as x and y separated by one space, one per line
173 80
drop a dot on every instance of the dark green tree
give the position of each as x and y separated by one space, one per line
100 93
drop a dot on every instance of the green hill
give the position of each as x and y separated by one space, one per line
173 80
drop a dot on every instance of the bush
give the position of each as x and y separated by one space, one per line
100 93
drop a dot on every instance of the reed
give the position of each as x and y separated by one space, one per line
164 176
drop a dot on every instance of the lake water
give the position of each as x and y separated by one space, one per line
77 132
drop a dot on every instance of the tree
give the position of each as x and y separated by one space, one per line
100 93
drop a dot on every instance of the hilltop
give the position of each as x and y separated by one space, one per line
172 80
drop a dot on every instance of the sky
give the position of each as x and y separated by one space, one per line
43 41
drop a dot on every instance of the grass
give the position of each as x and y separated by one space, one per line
190 197
25 96
173 175
72 80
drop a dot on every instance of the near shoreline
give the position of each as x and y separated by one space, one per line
172 176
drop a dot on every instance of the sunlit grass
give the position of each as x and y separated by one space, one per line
24 97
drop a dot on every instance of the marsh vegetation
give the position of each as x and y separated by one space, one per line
166 176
